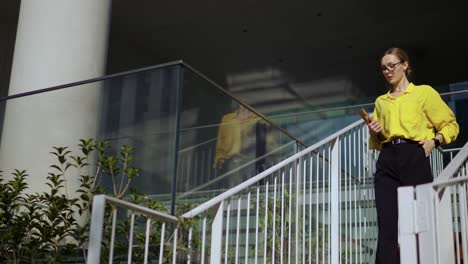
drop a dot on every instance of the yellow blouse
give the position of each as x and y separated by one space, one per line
417 114
234 135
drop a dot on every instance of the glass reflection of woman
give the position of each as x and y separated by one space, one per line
235 145
409 121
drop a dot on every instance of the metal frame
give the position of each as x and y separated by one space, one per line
180 92
158 66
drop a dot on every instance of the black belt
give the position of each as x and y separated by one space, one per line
396 141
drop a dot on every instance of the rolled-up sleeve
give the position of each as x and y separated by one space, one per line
440 115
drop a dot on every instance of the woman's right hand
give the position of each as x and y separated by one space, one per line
374 128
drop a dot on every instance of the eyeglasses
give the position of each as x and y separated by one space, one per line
391 67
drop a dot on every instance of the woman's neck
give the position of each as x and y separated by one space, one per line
401 85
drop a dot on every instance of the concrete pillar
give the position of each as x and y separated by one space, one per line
57 42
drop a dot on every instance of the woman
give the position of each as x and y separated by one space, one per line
235 145
408 123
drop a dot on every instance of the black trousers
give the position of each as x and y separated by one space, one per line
398 165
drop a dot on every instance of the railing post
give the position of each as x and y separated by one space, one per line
444 226
425 223
97 221
417 224
407 232
335 202
217 235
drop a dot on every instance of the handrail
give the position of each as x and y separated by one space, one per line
140 209
348 107
454 92
197 145
225 175
86 81
322 110
218 199
449 182
449 150
221 177
452 168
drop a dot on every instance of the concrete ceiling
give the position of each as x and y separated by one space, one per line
293 49
308 42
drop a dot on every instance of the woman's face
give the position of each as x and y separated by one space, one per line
393 68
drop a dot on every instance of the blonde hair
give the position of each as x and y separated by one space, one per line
402 55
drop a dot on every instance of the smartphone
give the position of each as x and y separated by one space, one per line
365 116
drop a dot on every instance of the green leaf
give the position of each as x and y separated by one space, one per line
56 167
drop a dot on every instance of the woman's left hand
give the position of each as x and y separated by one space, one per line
428 146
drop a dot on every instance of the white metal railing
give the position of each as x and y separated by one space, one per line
300 210
451 152
104 224
316 206
247 166
437 229
195 165
196 172
439 157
